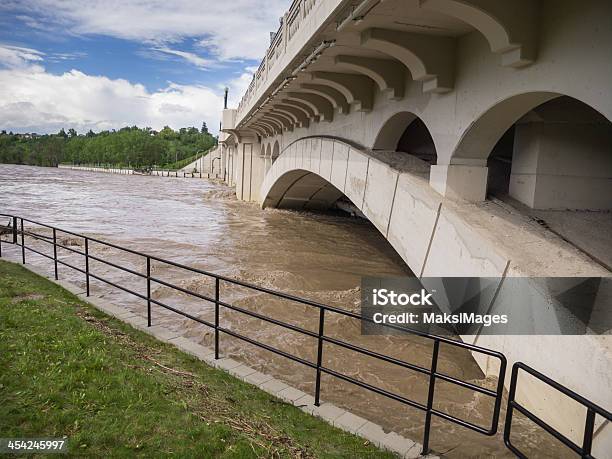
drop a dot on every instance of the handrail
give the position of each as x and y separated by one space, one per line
18 238
592 409
319 335
293 18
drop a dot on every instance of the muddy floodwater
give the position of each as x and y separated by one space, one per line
321 257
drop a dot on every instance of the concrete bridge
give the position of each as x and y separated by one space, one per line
474 134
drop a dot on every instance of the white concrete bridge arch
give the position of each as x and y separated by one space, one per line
389 188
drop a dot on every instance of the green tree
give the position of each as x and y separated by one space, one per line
129 145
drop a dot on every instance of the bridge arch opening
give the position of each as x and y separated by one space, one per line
556 155
405 132
302 189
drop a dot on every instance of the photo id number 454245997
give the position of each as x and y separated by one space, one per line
33 445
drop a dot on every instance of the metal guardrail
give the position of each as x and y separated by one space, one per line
18 236
592 410
292 20
178 173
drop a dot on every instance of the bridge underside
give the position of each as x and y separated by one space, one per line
469 70
302 190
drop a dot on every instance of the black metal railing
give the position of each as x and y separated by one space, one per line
136 171
592 410
16 229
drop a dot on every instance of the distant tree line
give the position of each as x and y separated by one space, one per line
129 146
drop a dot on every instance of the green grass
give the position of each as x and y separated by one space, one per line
184 162
69 370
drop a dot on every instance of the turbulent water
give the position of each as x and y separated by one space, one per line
320 257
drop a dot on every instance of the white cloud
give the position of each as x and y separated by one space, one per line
58 57
44 102
230 29
189 57
34 100
239 85
17 57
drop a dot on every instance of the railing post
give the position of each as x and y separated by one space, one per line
87 264
510 407
55 252
216 318
22 244
589 426
319 357
148 291
430 395
15 230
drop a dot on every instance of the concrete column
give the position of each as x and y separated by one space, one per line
562 165
250 169
458 181
223 161
232 167
258 171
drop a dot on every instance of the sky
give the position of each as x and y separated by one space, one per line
105 64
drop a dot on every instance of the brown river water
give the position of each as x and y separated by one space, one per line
321 257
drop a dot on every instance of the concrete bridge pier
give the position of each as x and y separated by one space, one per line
250 168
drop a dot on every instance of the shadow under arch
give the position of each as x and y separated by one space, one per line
302 189
481 136
544 149
407 133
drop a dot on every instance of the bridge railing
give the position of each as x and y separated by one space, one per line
22 230
292 21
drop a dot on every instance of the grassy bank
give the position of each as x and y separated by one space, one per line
184 162
69 370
